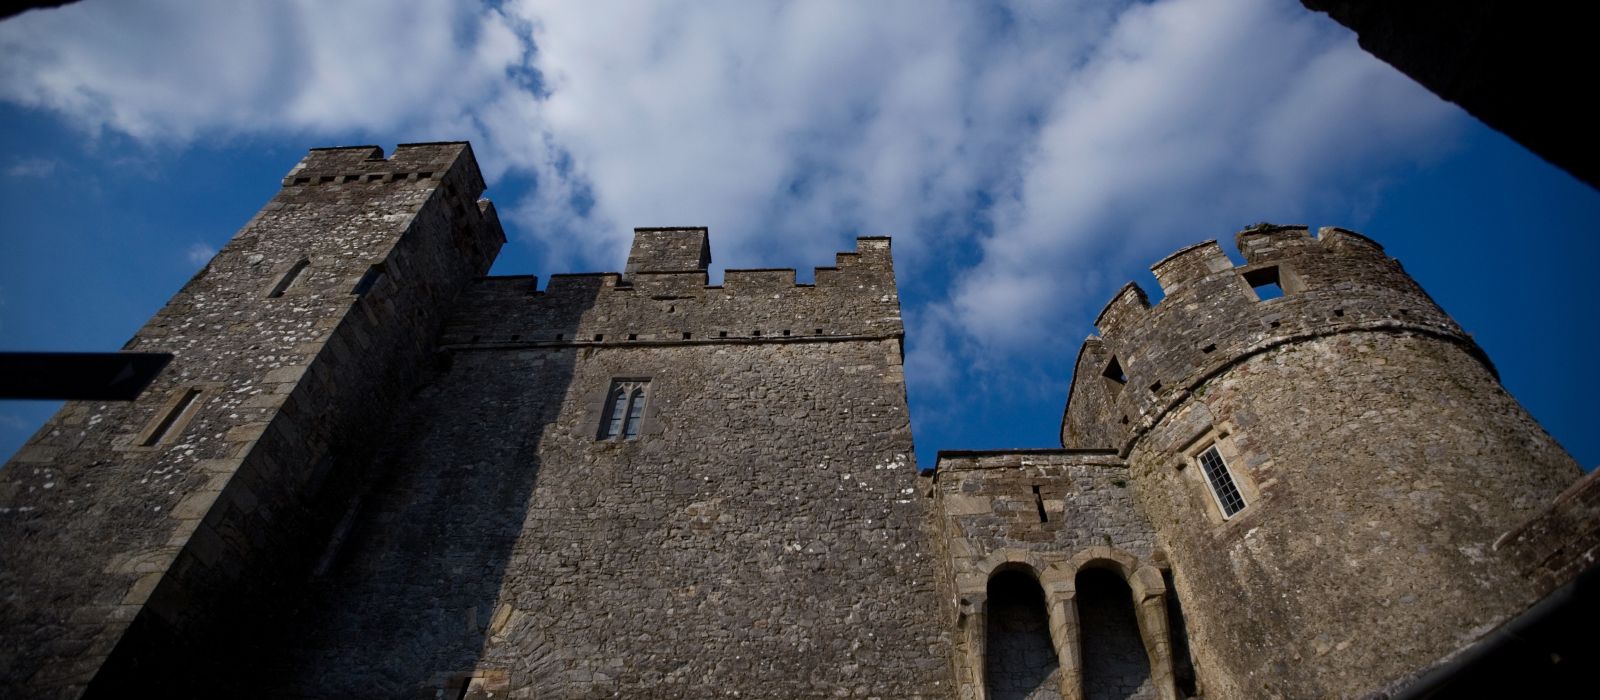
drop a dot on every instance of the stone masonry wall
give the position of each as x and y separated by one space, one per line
763 537
125 561
1559 543
1378 468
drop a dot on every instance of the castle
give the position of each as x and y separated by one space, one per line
373 471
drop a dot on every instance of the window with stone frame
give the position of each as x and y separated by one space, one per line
624 409
1220 479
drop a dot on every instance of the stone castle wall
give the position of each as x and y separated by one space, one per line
764 533
135 550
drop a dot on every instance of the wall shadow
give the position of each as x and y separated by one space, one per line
402 597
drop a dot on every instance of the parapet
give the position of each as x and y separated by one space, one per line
653 303
1292 286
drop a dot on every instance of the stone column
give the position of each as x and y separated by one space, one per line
975 628
1065 635
977 656
1150 607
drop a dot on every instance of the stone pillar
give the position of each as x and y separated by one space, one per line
977 630
1150 607
1065 635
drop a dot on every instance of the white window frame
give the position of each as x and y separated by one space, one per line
1211 486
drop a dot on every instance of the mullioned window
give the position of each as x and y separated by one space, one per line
624 410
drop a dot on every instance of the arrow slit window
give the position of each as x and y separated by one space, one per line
172 418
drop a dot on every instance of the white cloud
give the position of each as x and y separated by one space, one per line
1191 119
1098 133
166 70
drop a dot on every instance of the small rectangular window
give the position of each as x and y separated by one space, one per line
1220 479
1266 283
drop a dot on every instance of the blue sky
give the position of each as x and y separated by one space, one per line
1027 157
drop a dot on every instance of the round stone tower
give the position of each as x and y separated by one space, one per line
1327 458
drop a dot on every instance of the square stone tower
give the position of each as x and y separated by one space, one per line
373 471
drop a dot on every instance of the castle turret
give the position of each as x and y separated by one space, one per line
144 540
1326 457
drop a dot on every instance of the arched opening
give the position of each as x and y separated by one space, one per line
1020 662
1114 661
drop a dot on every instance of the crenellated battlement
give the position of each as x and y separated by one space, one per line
1213 314
411 162
653 303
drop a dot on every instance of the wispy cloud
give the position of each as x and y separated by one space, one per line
15 423
199 254
31 167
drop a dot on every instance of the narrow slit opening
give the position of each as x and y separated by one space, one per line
288 279
171 418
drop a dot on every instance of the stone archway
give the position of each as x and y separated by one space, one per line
1115 664
1020 661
